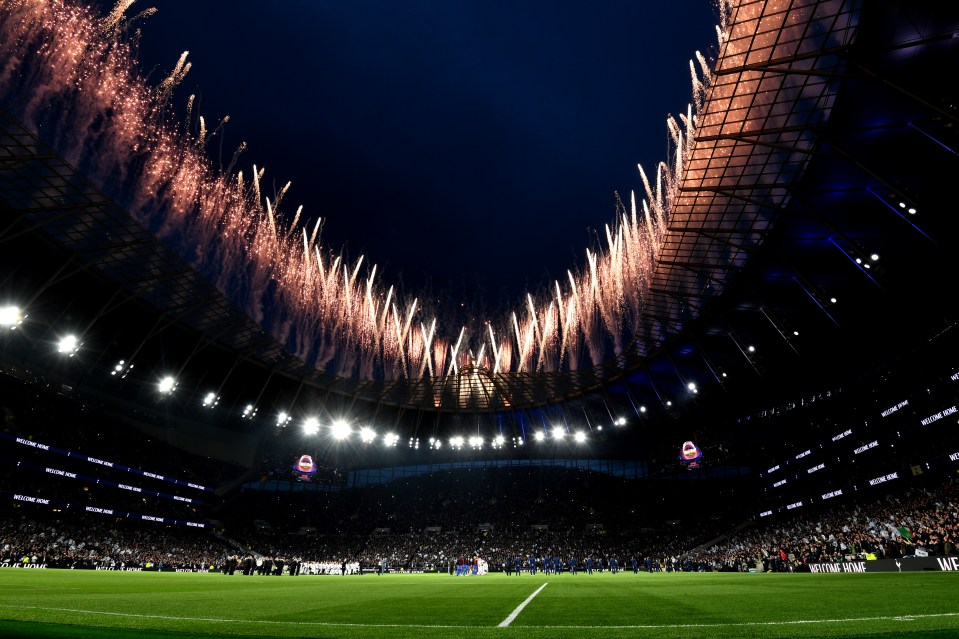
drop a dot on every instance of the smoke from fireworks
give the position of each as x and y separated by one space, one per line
72 77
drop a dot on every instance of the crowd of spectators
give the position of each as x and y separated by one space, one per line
920 522
60 541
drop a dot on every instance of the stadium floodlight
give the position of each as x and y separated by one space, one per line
122 369
456 442
166 385
68 345
211 400
580 437
367 435
283 418
311 426
559 433
390 439
10 317
340 429
476 441
539 435
642 409
622 420
250 411
499 440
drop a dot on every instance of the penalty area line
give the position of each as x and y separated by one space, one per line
506 622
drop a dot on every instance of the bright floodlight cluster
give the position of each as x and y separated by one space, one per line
341 431
68 345
10 317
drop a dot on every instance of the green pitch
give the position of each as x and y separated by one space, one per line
64 603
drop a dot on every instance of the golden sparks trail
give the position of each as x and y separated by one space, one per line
71 76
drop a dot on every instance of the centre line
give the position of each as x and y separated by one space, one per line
506 622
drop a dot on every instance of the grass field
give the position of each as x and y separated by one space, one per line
64 603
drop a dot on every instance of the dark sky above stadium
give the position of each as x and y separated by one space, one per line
474 147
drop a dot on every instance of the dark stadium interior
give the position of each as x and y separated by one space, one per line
807 346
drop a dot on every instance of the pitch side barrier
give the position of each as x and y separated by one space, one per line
905 564
19 565
101 462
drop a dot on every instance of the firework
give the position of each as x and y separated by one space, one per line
72 76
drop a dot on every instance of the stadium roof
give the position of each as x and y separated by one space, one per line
809 240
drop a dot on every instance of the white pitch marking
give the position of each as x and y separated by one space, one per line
746 624
506 622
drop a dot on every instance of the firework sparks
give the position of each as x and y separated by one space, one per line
66 71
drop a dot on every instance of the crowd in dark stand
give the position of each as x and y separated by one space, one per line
919 522
50 539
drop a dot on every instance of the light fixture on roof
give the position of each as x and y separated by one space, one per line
166 385
122 369
10 317
390 439
367 435
249 412
539 435
210 400
339 429
456 441
283 418
68 345
579 436
476 441
559 433
311 426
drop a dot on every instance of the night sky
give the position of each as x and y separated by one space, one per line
472 147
